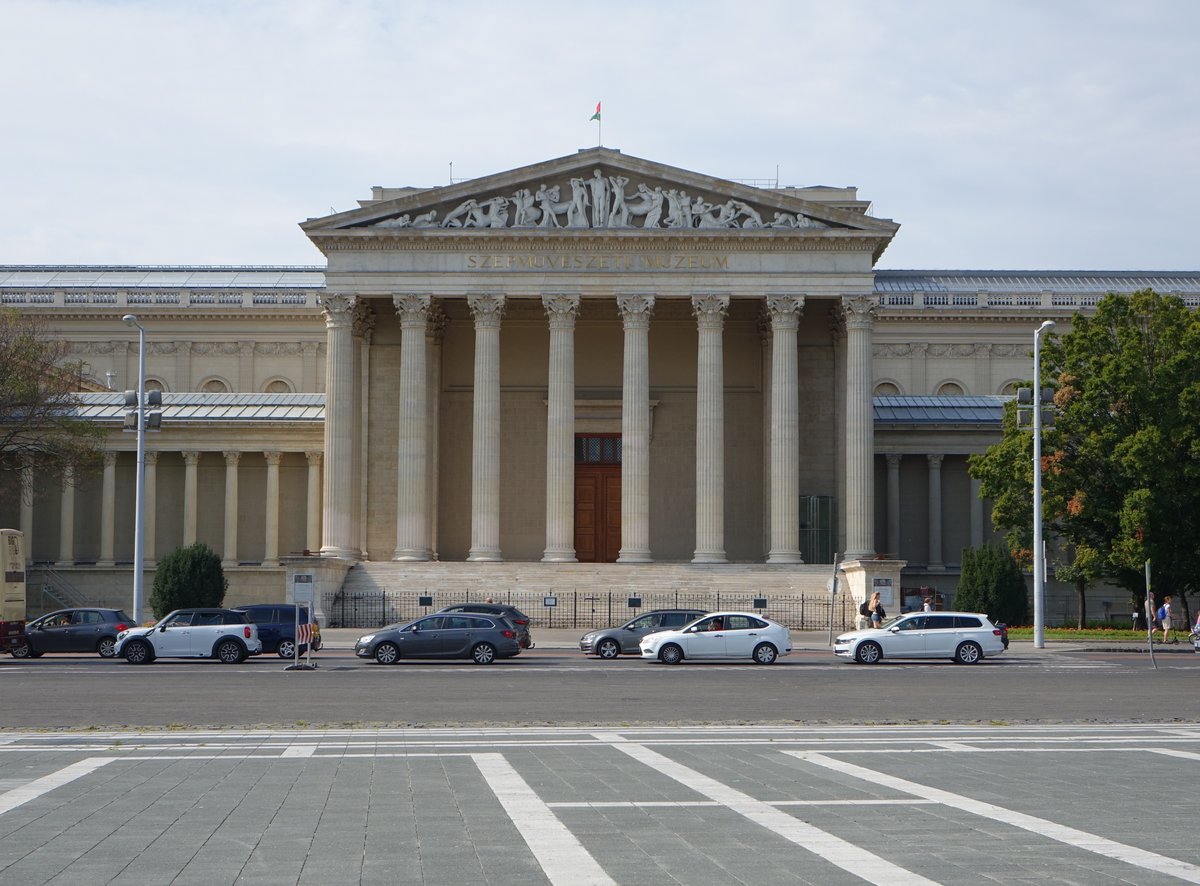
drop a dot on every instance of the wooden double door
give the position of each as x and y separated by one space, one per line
597 513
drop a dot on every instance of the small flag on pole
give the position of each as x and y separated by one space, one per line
596 116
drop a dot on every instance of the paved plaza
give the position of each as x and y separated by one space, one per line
885 805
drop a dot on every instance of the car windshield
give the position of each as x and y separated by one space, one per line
891 621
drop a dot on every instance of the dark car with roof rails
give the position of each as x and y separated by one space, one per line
481 637
518 618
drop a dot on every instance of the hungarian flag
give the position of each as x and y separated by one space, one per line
596 116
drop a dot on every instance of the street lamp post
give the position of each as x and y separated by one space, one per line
139 520
1039 560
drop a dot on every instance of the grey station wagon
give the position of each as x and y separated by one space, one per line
481 638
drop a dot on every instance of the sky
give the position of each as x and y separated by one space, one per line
1000 134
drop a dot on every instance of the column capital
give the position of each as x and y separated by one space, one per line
338 308
785 310
935 459
273 457
710 310
151 458
561 309
859 311
362 320
435 326
110 459
232 457
314 457
191 457
635 310
893 459
413 309
487 309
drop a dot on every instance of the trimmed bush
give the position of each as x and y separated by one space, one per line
186 577
991 582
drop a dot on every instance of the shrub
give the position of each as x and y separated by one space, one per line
992 582
190 576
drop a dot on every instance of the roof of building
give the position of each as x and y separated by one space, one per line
196 407
940 410
1036 281
160 277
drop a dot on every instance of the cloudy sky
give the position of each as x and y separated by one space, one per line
999 133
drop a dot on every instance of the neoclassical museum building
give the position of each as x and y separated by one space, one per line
594 373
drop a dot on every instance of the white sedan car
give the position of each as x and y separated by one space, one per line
735 635
963 637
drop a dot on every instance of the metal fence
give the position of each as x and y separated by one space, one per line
586 610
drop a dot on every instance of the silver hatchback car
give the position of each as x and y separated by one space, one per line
962 637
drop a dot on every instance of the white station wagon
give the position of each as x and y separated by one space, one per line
963 637
728 635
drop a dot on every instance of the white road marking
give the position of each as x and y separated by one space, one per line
855 859
1172 752
669 804
1062 833
562 857
10 800
299 750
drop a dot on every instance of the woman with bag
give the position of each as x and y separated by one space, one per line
876 614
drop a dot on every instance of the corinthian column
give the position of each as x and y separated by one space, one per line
636 311
710 429
26 518
935 511
150 514
361 331
66 520
191 460
893 504
435 332
271 529
340 538
859 313
108 509
560 430
312 534
229 555
485 442
412 456
785 430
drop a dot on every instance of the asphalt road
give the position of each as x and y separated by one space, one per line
561 687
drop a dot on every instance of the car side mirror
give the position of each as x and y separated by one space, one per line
894 630
163 629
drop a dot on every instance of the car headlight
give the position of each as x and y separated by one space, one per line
366 638
589 637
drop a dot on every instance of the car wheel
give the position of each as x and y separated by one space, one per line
107 647
608 648
287 649
868 653
22 651
138 652
483 653
230 652
765 653
387 653
968 653
670 654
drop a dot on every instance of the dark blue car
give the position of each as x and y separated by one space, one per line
277 627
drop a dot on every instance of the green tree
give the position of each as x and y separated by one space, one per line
190 576
1121 465
991 582
38 404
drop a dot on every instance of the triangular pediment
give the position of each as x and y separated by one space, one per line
595 191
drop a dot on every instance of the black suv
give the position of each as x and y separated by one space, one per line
611 642
277 627
518 618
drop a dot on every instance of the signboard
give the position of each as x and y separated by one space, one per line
635 603
550 601
884 588
303 588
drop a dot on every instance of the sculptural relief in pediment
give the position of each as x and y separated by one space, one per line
602 200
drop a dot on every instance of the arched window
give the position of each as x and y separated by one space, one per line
214 386
1009 389
154 384
887 389
950 389
278 386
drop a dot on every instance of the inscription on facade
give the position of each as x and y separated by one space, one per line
580 261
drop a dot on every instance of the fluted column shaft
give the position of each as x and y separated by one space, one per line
710 429
339 537
485 441
191 461
312 535
229 554
893 505
860 429
412 459
66 520
435 331
150 516
561 311
271 530
636 311
785 430
935 511
108 510
361 330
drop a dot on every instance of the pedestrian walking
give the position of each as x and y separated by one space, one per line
1164 618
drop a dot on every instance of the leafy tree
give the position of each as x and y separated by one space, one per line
1121 465
991 582
190 576
38 401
